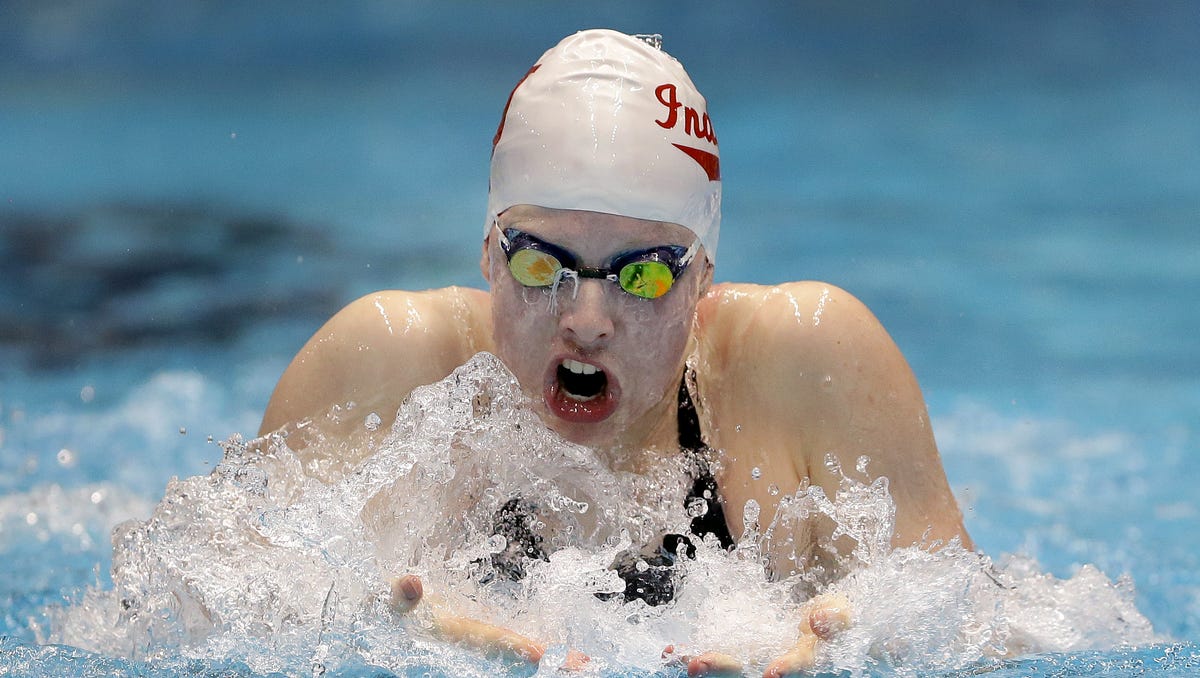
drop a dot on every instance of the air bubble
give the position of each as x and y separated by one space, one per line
756 473
496 543
697 507
66 458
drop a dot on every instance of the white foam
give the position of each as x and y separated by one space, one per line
284 562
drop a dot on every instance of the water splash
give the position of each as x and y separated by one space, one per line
282 558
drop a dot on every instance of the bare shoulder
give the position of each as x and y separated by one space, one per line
797 354
379 347
392 319
800 323
806 370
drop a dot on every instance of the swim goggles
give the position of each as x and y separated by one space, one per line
647 273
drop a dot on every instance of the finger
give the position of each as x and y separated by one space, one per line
406 593
713 664
488 637
800 658
575 661
828 615
789 664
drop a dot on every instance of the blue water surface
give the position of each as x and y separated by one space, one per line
187 190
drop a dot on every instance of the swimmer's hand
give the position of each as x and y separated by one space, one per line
704 664
820 619
407 593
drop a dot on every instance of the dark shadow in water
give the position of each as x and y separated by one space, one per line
129 275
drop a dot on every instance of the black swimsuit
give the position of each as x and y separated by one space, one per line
655 580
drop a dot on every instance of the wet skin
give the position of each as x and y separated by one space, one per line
638 344
787 376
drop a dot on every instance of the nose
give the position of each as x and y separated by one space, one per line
585 319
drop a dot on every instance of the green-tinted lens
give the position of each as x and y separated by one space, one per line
646 279
533 268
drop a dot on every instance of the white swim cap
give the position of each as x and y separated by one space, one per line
607 122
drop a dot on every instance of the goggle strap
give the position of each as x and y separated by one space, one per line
561 275
505 243
688 255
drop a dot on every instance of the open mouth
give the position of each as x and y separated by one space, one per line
581 382
581 392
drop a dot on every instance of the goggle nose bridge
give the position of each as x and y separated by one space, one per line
574 275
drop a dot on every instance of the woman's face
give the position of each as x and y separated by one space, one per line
601 366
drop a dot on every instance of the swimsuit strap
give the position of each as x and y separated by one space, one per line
691 442
650 577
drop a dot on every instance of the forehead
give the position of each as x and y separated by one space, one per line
586 232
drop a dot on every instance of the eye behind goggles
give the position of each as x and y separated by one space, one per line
647 273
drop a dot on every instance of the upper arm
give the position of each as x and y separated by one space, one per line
377 349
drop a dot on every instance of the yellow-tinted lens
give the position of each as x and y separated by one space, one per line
533 268
646 279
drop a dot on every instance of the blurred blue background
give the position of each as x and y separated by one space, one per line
189 189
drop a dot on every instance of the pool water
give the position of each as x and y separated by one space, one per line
188 190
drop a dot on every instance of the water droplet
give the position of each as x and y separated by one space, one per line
861 464
373 421
641 565
31 518
827 382
773 490
738 428
832 464
182 431
97 497
756 473
750 512
697 507
87 393
66 458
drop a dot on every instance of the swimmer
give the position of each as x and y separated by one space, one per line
599 243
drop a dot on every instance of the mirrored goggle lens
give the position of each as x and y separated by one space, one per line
646 279
534 268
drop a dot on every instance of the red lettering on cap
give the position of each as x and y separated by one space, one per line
709 162
670 102
695 122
